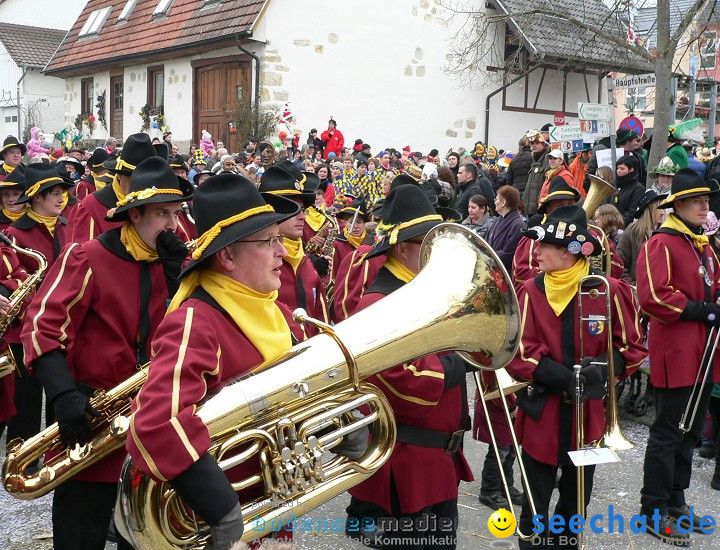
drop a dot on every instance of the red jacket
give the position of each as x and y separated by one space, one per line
667 277
303 289
71 313
333 143
353 277
549 435
89 220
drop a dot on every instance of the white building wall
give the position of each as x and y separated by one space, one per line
135 97
10 73
37 87
42 13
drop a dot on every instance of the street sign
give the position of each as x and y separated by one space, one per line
600 128
634 124
594 111
566 146
634 81
565 133
559 119
577 145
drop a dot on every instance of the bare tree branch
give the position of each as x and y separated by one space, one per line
689 18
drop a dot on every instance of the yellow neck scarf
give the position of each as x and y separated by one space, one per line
256 314
354 241
8 169
12 215
673 222
135 246
398 269
66 198
119 193
295 252
561 286
101 181
314 218
47 221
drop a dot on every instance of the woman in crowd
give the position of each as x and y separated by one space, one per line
630 189
479 218
648 218
608 218
556 160
507 230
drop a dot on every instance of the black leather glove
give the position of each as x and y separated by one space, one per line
455 368
595 378
705 312
171 254
571 390
226 532
71 410
322 265
353 445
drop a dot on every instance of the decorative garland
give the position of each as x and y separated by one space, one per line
149 111
100 106
85 120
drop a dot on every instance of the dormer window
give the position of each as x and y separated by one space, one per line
95 22
162 7
127 10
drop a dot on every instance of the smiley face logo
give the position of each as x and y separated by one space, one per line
501 523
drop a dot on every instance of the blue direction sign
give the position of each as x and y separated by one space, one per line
577 145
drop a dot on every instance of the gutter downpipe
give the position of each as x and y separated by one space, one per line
495 92
19 110
248 34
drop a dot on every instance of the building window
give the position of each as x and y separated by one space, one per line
162 7
156 86
127 10
637 99
95 22
707 46
86 97
11 119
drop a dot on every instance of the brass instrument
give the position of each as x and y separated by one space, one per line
599 191
326 235
17 299
461 300
188 213
503 382
191 244
704 371
580 444
109 433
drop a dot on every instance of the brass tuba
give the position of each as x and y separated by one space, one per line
461 300
598 192
17 299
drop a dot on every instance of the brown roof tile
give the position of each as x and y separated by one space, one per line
31 46
188 23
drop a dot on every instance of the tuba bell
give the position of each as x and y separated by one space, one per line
461 300
599 191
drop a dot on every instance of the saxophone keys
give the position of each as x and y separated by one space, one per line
119 426
46 474
79 452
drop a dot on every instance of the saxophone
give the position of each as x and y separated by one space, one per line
17 299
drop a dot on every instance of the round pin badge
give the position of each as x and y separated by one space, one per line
539 232
572 227
551 229
574 247
581 238
587 249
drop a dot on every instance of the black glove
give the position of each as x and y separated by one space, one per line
455 368
171 254
595 378
228 530
571 390
705 312
322 265
353 445
71 410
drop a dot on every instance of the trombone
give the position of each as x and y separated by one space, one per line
704 371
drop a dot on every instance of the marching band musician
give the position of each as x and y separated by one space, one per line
678 285
11 189
223 322
12 152
300 284
352 219
549 307
420 480
96 177
83 334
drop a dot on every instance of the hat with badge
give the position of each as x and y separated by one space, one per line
286 180
686 184
136 149
559 190
39 177
406 214
312 181
227 208
151 182
566 226
12 141
15 180
648 198
96 160
666 167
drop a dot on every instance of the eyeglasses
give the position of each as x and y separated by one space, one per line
271 242
534 141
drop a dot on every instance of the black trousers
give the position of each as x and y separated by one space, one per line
28 401
542 482
81 515
491 481
668 457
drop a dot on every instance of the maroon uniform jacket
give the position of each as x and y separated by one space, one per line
545 423
105 330
499 422
4 220
667 277
84 187
354 276
11 275
303 289
416 391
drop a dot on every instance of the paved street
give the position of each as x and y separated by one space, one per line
26 524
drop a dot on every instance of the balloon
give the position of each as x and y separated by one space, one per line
154 125
91 118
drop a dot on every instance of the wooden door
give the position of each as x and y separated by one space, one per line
116 107
217 89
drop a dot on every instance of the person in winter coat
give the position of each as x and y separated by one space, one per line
479 218
578 168
556 161
536 176
507 229
517 172
315 141
206 143
469 185
332 139
630 190
34 146
648 218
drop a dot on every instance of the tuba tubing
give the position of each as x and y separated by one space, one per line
462 300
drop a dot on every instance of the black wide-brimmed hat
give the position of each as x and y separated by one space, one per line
559 190
196 177
449 214
406 214
406 179
151 182
227 208
685 184
136 149
648 198
96 160
355 206
15 180
278 180
79 168
12 141
178 162
162 150
566 226
40 176
312 181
